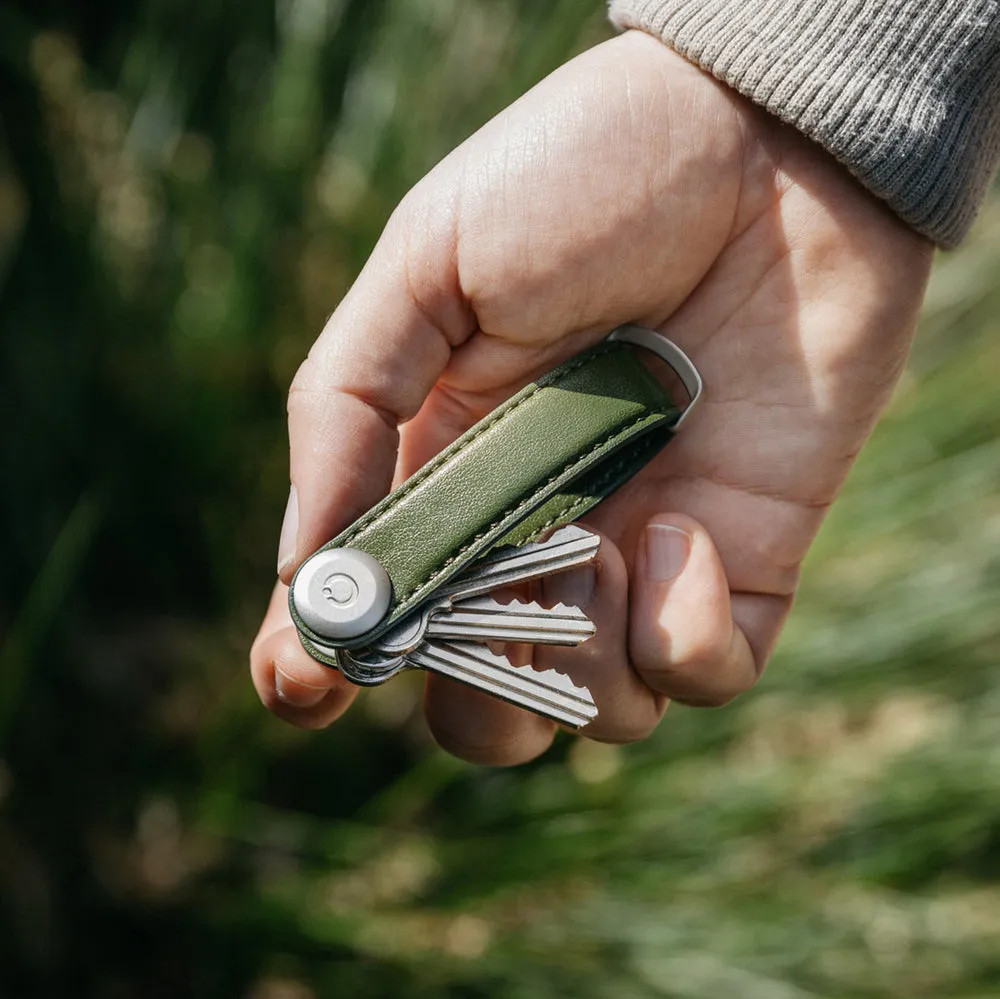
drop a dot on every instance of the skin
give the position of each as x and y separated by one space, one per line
626 187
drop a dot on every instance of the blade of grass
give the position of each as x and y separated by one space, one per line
46 596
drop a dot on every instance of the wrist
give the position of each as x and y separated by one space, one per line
904 95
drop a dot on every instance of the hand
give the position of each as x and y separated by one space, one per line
628 186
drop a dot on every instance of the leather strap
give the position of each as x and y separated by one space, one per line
545 457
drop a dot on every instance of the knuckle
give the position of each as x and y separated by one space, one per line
714 688
707 698
634 725
707 675
303 382
694 665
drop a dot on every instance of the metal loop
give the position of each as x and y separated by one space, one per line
669 352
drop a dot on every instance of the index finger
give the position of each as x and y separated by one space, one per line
371 369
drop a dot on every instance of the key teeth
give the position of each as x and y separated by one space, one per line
533 608
497 659
567 610
559 610
567 547
562 681
566 535
569 533
578 713
552 678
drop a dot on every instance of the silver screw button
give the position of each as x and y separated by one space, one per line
341 593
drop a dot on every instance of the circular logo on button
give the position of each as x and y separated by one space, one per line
340 589
341 592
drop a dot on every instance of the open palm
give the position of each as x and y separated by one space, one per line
626 187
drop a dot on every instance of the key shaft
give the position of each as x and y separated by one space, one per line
551 694
485 619
567 548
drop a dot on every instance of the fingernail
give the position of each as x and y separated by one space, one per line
298 695
667 551
289 529
574 587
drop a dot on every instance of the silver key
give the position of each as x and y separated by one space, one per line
484 619
453 606
435 635
567 548
551 694
547 693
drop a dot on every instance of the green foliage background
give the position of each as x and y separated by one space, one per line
186 190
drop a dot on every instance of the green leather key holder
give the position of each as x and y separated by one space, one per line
543 458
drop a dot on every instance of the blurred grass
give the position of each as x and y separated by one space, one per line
185 192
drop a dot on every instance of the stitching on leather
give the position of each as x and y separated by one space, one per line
584 501
581 502
513 511
576 504
420 477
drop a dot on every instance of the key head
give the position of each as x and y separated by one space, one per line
341 593
370 668
405 636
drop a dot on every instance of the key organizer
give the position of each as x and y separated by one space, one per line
384 594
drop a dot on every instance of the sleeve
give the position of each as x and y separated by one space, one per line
904 93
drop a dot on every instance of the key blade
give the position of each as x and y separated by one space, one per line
550 694
568 547
484 619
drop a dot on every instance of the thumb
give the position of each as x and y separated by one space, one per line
371 368
683 639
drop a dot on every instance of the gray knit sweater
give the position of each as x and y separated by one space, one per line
905 93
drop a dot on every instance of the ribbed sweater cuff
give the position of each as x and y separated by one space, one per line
905 93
